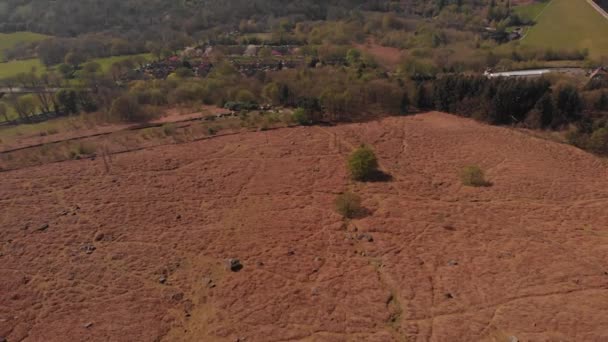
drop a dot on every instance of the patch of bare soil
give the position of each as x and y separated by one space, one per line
141 253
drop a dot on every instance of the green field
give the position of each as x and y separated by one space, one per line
13 68
8 40
570 25
107 62
531 11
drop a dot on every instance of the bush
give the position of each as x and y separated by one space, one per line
348 205
169 129
184 72
126 108
240 106
363 164
473 176
598 142
301 116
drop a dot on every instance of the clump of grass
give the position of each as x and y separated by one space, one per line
169 129
82 149
473 175
212 131
348 205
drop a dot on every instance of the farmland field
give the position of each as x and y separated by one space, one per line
531 11
107 62
8 40
13 68
570 25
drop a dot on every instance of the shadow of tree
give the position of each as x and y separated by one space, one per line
379 177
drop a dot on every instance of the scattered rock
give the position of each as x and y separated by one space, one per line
291 252
162 279
178 296
366 237
117 256
64 213
513 339
452 263
234 265
178 217
88 325
449 296
88 248
99 236
260 264
449 227
208 282
43 227
2 339
188 306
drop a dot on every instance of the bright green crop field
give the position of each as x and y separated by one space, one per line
570 25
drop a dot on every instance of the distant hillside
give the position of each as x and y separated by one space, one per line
145 17
8 41
72 17
570 24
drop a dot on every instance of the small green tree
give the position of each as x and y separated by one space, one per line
74 59
301 116
363 164
353 57
184 72
598 142
348 204
473 175
126 108
4 111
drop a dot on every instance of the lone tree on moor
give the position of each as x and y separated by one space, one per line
363 164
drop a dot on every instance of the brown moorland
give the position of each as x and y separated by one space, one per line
140 253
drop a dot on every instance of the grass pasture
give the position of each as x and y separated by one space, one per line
570 25
12 68
532 10
107 62
8 40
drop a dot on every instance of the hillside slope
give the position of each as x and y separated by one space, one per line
140 253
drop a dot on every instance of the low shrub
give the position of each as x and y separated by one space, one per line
363 164
473 176
348 204
169 129
302 117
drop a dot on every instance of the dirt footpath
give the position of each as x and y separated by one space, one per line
141 253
